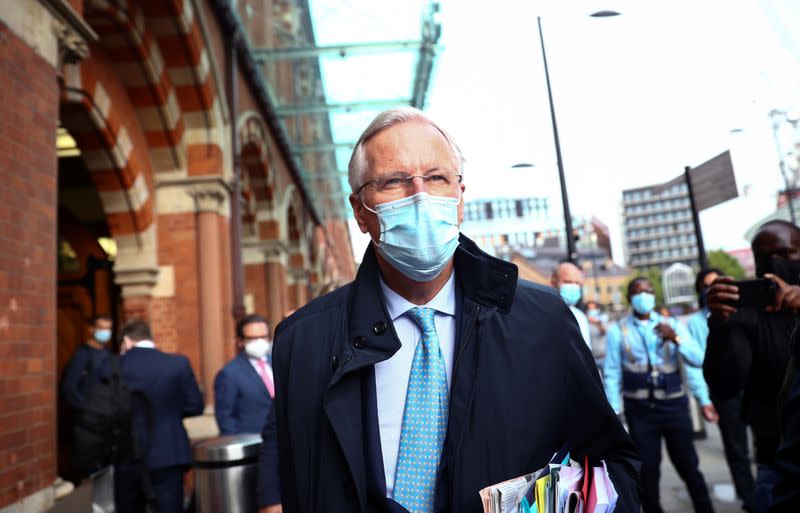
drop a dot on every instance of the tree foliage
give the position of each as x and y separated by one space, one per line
728 264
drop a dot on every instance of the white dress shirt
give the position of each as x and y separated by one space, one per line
391 376
268 367
583 324
145 344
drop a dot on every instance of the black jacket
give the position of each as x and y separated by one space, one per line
787 458
524 384
168 382
749 353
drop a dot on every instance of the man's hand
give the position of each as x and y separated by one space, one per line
788 296
666 332
710 413
597 323
719 295
275 508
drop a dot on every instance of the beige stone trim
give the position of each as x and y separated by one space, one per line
165 285
51 28
179 195
297 276
136 266
37 502
263 251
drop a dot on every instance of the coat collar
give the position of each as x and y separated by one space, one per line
370 338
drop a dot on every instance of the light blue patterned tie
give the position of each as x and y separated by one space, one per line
424 420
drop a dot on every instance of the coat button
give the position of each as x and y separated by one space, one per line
335 362
379 328
359 342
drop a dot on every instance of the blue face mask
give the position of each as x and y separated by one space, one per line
570 293
102 336
643 303
594 313
419 234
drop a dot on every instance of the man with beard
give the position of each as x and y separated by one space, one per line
748 348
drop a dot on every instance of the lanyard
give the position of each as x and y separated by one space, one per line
653 371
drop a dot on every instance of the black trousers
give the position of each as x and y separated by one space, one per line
668 420
737 450
167 483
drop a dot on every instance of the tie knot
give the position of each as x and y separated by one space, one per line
424 318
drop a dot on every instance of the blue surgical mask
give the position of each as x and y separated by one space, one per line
570 293
419 234
102 336
594 313
643 303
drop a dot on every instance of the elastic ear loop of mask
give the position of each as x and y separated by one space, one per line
364 204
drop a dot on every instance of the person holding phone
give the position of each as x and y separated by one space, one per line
748 346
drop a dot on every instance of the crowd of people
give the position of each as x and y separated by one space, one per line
438 372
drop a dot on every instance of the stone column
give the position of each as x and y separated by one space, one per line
276 282
208 201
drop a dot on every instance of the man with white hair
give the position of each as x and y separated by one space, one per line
567 278
436 372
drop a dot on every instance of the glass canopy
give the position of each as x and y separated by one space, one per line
330 67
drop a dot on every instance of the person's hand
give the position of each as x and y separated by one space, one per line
788 296
275 508
666 332
718 297
710 413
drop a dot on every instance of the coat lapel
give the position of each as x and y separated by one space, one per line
250 371
368 339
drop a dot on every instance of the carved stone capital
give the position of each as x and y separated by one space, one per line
207 197
72 47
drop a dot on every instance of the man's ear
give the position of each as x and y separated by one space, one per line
461 205
358 212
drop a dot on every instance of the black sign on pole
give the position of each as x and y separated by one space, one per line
709 184
698 234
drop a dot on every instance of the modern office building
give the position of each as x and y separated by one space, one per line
503 225
658 227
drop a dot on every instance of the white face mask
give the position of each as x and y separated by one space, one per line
258 348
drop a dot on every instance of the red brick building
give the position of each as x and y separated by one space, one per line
143 172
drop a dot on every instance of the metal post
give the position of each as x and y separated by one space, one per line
236 183
572 254
698 234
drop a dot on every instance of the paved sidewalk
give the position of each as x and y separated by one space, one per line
674 497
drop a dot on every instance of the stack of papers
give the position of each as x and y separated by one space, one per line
563 486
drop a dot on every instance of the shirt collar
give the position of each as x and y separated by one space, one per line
147 344
444 301
654 318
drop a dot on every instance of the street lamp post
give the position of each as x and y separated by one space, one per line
572 254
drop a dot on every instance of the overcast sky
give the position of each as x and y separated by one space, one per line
638 97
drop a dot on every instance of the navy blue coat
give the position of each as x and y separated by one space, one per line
524 384
167 380
80 371
241 399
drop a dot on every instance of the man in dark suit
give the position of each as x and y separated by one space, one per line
436 372
168 383
243 389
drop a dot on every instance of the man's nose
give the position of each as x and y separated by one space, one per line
417 185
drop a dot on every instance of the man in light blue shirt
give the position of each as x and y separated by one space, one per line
729 411
642 371
567 278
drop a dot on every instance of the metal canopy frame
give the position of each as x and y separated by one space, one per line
325 94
